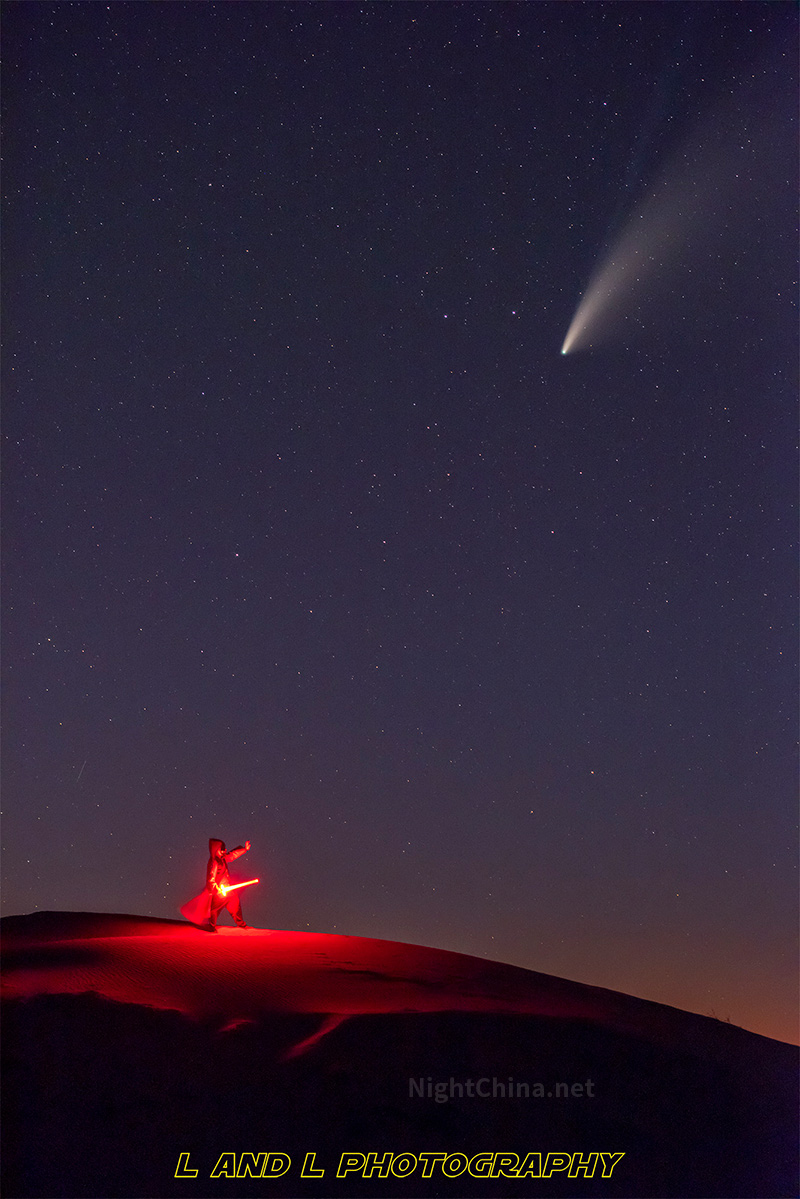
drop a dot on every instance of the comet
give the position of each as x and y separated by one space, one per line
699 210
640 264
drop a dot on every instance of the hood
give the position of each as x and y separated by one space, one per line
214 846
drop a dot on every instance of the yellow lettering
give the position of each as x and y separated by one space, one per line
277 1164
505 1165
531 1167
183 1170
554 1163
609 1161
225 1167
350 1163
403 1163
586 1165
250 1165
373 1163
455 1164
308 1170
481 1164
429 1160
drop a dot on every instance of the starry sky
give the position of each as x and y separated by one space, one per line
313 536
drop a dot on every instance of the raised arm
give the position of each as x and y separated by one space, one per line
231 854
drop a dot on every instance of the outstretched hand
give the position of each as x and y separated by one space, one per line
247 844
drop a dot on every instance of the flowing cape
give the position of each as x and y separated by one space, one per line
198 910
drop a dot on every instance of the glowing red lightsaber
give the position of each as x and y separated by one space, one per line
226 887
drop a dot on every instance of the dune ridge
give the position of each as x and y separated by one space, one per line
123 1030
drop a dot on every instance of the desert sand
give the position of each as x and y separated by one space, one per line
137 1049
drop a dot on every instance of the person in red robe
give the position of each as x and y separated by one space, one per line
206 907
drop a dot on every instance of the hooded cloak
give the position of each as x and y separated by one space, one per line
198 910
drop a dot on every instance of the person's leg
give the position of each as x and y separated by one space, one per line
235 909
217 904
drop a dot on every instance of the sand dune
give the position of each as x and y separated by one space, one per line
172 965
307 1042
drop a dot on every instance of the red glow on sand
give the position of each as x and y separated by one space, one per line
243 975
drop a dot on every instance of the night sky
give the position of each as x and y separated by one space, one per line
313 536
